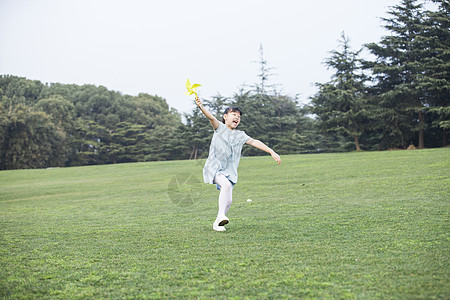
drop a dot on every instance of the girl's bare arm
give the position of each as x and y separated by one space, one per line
260 145
214 122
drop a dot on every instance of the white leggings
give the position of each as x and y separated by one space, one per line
226 194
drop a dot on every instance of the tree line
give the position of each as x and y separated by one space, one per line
399 98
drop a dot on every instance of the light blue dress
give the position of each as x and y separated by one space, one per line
224 154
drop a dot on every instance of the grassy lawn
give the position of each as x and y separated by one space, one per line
371 225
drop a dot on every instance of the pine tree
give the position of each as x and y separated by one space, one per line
340 103
264 74
436 78
409 70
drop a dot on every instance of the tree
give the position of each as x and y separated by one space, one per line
264 74
3 129
127 143
340 104
31 140
61 111
18 90
411 68
95 125
436 78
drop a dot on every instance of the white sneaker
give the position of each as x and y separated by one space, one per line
216 227
222 220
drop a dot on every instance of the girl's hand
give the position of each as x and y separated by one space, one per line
276 157
214 123
198 102
260 145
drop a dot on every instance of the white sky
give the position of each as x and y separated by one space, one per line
153 46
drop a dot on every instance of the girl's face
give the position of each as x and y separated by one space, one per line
232 119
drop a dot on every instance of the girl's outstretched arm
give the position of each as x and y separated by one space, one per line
214 122
260 145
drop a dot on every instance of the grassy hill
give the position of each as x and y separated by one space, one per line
371 225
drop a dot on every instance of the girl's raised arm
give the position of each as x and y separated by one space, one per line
214 122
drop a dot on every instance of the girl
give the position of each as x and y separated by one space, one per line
224 155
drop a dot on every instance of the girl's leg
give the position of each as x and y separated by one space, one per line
226 194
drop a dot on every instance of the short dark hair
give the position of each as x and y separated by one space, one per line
231 109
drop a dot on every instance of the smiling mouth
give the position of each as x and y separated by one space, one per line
235 122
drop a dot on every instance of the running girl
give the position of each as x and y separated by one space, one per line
224 155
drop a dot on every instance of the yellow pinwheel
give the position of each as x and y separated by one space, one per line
191 89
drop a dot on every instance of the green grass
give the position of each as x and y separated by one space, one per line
371 225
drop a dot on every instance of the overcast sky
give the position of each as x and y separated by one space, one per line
153 46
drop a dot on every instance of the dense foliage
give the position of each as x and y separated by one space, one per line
67 125
404 96
400 98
